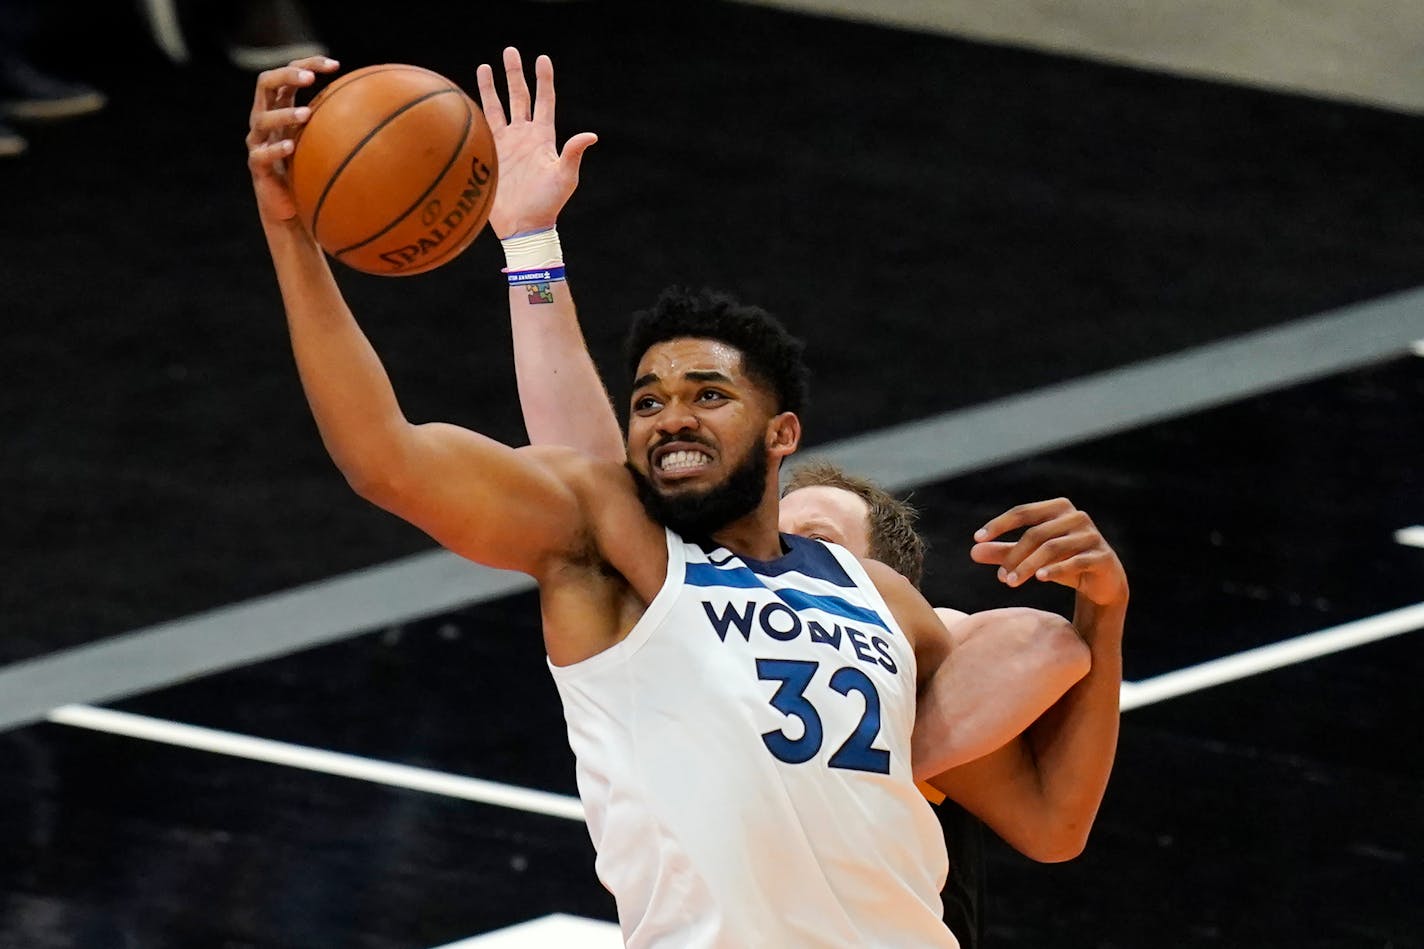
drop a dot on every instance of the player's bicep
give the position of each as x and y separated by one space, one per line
499 506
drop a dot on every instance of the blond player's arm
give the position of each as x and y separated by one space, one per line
1042 791
958 716
482 499
560 393
991 683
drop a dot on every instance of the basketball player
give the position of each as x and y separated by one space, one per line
745 706
1040 792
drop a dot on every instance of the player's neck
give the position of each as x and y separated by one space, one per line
753 535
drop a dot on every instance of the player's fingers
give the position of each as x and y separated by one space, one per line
1022 515
489 98
1039 534
518 88
1050 552
544 91
991 553
1069 572
575 147
316 63
278 119
263 156
270 80
276 89
270 84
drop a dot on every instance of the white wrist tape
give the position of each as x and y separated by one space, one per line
532 251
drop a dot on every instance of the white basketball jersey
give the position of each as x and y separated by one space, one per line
744 761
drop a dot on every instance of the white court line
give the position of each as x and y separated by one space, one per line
315 759
1133 695
1276 655
1410 536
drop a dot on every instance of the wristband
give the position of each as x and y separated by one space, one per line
532 250
518 278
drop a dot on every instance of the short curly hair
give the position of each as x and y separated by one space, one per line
771 356
890 523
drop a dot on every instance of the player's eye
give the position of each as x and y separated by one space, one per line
646 404
711 395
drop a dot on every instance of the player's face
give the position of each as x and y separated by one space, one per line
695 416
826 513
697 437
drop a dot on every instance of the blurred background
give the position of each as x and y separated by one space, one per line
956 204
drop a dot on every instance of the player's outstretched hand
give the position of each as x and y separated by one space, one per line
272 129
1059 544
535 179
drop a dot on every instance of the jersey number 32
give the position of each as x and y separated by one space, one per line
855 753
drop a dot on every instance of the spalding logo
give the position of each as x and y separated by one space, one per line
442 227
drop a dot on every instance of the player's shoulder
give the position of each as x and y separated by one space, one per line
886 579
912 611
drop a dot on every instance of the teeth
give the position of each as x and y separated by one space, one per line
679 460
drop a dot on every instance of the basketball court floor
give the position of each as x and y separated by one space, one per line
241 708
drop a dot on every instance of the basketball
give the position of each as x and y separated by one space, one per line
395 172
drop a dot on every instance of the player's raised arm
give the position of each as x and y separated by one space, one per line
477 497
1048 784
562 397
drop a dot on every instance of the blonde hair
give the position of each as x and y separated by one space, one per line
890 522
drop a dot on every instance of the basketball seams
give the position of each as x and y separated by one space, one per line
346 82
460 145
351 79
463 242
356 149
365 165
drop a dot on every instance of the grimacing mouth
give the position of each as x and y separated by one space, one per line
679 454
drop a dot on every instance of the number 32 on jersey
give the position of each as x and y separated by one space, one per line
856 752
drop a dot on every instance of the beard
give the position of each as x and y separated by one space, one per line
697 514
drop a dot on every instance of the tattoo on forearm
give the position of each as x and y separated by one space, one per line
540 292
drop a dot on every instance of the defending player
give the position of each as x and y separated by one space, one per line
1041 791
726 687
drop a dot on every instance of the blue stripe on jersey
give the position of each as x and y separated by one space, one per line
804 556
706 575
834 605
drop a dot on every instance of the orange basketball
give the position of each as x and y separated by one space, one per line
395 171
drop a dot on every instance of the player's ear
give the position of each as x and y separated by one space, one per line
783 434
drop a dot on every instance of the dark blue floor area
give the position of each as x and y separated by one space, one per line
1219 843
112 842
1239 526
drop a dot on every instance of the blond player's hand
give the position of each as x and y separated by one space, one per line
536 180
271 133
1059 544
